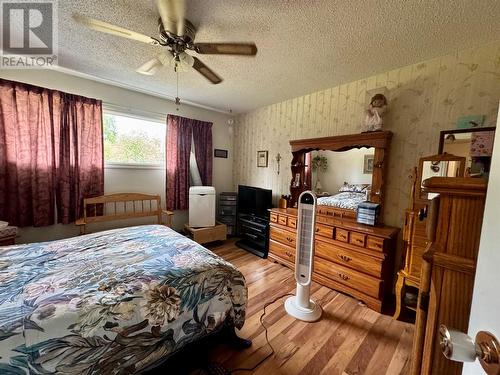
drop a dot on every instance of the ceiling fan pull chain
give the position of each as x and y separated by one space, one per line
177 99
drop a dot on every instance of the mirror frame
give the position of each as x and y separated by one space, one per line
435 158
444 133
380 140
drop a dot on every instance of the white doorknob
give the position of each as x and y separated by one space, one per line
458 346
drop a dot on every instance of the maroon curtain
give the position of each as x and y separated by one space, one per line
80 161
202 138
50 151
178 144
26 155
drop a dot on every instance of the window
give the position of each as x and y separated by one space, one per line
133 141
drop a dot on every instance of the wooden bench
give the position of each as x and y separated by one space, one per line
122 206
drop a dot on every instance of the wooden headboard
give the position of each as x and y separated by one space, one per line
121 206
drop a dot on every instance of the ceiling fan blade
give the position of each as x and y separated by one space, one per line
109 28
206 72
246 49
172 13
152 66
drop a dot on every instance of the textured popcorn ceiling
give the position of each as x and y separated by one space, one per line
304 45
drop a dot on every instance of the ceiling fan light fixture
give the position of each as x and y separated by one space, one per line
182 62
151 67
186 59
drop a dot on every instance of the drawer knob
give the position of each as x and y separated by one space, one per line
343 277
289 254
345 258
317 230
289 239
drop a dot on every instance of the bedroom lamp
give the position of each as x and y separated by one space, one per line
301 306
182 62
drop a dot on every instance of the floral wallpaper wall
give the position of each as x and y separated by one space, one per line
424 99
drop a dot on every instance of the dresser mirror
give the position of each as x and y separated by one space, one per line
325 164
475 145
441 165
342 178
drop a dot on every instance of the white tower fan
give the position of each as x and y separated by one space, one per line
301 306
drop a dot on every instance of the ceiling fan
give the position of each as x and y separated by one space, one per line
177 35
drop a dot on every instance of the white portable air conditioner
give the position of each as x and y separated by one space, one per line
301 306
201 206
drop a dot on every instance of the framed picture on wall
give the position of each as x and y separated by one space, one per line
262 158
368 164
220 153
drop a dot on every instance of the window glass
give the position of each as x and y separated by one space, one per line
129 140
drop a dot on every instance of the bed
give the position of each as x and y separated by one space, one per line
349 197
348 200
119 301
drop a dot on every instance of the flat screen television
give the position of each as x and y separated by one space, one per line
254 201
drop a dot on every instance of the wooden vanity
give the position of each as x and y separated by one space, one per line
352 258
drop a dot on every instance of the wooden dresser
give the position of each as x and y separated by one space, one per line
415 234
448 269
352 258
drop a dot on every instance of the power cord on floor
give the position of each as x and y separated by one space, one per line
261 319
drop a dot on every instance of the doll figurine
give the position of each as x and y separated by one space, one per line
374 113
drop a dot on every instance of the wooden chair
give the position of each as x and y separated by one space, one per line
122 206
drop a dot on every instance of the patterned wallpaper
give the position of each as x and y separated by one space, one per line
424 99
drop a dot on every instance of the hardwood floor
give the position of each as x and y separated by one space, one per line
349 339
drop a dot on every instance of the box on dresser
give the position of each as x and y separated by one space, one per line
353 258
368 213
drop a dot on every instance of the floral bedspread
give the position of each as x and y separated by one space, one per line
347 199
118 301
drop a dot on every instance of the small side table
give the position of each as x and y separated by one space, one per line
207 234
8 236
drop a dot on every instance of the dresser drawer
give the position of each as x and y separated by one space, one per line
323 230
323 211
292 222
282 219
364 283
375 243
282 251
283 236
228 198
357 239
352 259
273 218
341 235
225 209
327 220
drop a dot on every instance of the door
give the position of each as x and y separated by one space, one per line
486 298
